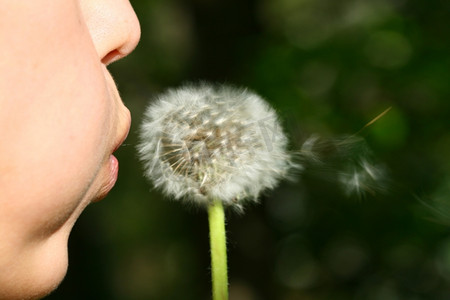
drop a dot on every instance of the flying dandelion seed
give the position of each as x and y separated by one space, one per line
203 142
346 160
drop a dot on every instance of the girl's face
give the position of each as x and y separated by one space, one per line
61 119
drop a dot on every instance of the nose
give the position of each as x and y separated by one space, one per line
114 27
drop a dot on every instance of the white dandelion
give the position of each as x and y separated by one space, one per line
214 146
206 142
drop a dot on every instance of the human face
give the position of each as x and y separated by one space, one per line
61 119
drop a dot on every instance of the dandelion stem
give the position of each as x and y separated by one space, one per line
217 237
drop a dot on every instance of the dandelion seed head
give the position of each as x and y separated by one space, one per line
209 142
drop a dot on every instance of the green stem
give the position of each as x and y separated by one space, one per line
217 239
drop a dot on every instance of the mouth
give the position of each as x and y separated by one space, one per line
112 164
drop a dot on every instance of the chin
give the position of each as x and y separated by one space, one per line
37 272
51 267
46 286
36 285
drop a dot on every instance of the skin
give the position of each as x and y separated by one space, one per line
61 118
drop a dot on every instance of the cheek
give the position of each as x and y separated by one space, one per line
68 151
58 136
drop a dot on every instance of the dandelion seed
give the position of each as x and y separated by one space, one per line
347 160
364 177
213 142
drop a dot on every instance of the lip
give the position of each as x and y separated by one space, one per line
113 163
124 135
113 174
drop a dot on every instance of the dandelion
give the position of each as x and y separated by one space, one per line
213 146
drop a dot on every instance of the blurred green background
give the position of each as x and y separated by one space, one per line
328 67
